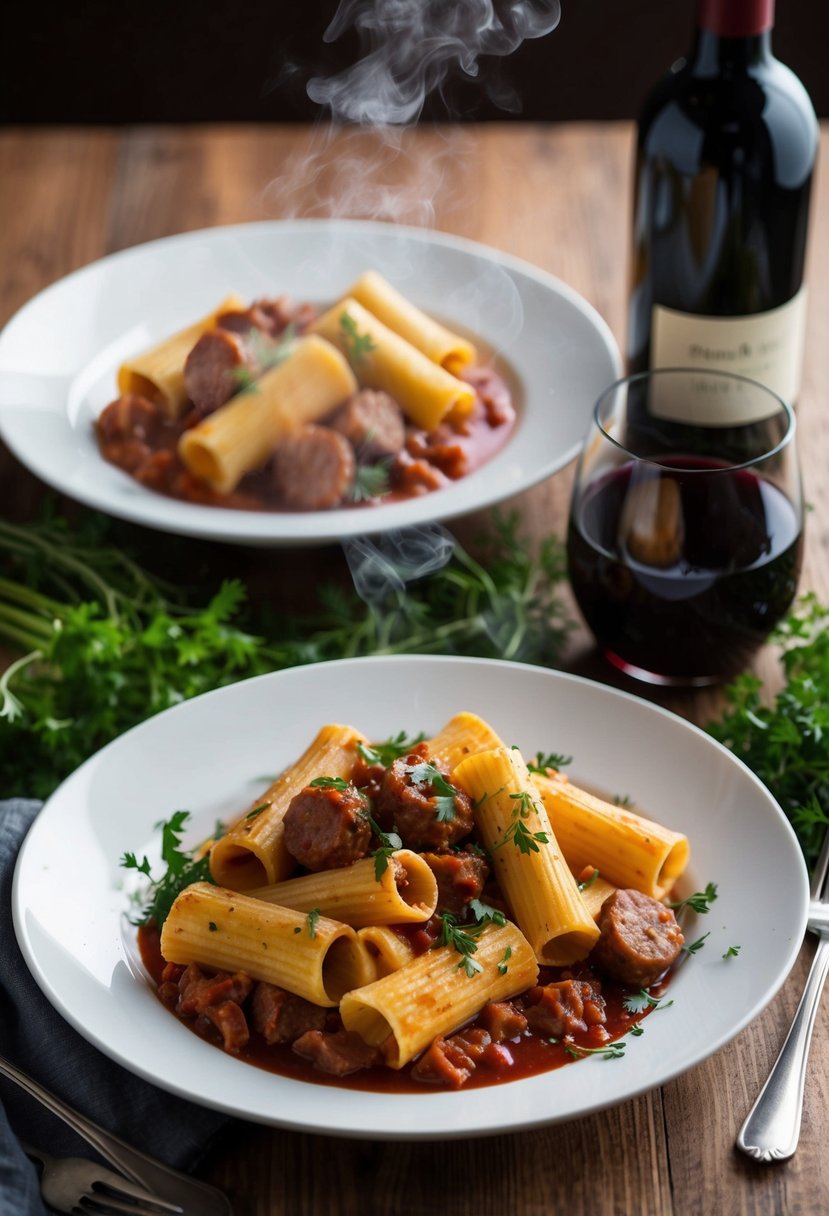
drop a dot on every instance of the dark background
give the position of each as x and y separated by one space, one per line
100 61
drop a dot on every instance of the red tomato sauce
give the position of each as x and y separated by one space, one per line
526 1056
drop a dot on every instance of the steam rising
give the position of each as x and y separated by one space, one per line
415 45
367 162
387 563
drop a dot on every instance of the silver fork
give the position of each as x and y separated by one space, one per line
772 1127
73 1184
193 1197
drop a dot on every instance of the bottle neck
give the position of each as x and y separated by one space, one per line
732 35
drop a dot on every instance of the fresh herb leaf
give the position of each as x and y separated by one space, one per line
546 760
182 869
503 964
357 345
636 1030
700 901
389 843
370 481
622 800
257 810
387 752
329 783
732 952
785 739
425 775
313 920
266 353
613 1051
484 913
518 833
638 1002
697 945
462 938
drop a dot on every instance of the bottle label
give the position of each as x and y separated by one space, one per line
766 347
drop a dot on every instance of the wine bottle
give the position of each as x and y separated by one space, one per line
725 156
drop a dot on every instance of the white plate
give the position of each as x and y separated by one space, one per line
211 756
59 356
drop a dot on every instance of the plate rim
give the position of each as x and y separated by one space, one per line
290 529
528 1122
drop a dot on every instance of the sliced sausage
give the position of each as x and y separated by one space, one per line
639 940
313 468
214 369
372 422
327 827
422 816
452 1061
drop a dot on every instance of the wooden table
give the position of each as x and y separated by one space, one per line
559 197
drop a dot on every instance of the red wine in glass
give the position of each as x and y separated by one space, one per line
690 605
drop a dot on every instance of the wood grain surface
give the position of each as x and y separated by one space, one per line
559 197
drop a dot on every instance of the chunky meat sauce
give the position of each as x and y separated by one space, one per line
363 453
570 1011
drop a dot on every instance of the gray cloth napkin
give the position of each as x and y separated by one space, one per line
37 1039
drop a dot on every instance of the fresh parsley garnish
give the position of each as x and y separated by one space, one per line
622 800
181 870
517 832
423 774
503 964
700 901
257 810
547 760
266 353
464 939
313 919
486 914
588 882
613 1051
389 843
390 750
357 345
638 1002
329 783
732 952
697 945
370 481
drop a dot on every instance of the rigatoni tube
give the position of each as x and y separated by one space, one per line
238 437
435 994
425 391
309 955
526 858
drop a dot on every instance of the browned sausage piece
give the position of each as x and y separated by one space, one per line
460 878
327 827
280 1016
213 369
424 817
639 940
337 1052
313 468
372 422
564 1007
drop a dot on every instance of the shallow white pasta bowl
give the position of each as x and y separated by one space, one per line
213 755
59 356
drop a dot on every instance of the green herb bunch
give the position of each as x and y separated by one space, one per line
786 742
97 644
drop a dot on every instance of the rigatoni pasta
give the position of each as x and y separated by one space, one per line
316 958
425 918
535 878
627 849
425 390
405 892
437 342
252 853
158 373
433 995
238 437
